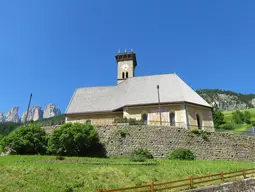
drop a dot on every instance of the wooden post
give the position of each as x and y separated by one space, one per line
244 174
100 190
191 182
222 176
151 186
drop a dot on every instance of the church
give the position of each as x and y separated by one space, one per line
154 100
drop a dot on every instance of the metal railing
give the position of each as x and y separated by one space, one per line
187 183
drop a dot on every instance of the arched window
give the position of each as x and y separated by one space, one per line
144 118
198 122
123 75
126 74
88 121
172 119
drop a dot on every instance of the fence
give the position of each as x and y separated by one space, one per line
188 183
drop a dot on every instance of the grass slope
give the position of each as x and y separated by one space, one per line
239 128
34 173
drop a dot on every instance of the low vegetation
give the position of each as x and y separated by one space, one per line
182 154
140 155
234 121
45 173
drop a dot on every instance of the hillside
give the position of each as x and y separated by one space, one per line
227 100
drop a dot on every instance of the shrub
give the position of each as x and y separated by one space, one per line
182 154
60 158
204 135
140 155
30 139
123 133
194 131
253 123
227 126
73 139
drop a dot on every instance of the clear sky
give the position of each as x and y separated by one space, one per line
51 47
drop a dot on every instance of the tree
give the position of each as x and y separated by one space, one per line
218 118
30 139
73 139
247 117
238 117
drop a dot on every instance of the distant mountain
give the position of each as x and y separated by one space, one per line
35 113
227 100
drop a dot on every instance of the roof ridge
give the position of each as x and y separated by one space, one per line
181 88
153 75
96 87
71 100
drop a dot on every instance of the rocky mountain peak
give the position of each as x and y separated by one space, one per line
51 110
35 113
12 115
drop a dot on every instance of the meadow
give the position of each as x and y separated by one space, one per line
239 128
45 173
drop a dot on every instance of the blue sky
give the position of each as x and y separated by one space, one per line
51 47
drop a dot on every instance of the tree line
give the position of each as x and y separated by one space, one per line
238 117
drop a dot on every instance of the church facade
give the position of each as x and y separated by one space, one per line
154 100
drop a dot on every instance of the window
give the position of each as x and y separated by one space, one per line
172 119
198 121
144 118
88 121
123 75
126 74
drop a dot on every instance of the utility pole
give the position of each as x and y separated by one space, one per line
159 106
28 108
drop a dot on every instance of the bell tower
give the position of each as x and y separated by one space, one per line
126 65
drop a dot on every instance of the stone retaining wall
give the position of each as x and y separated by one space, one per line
160 141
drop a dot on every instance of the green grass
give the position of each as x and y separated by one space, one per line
228 114
239 128
36 173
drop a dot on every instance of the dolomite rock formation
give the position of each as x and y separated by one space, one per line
253 102
51 110
35 113
12 115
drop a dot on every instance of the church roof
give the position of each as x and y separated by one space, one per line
133 91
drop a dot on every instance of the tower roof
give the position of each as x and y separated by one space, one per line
126 56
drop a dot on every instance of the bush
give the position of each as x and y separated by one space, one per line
73 139
140 155
182 154
60 158
253 123
30 139
194 131
226 126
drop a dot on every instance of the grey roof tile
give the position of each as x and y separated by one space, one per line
133 91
